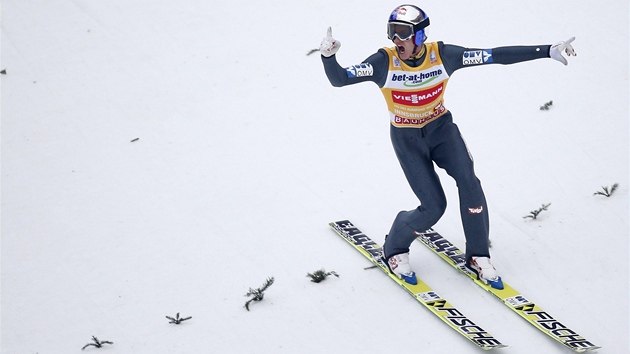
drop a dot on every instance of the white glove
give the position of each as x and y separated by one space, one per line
329 45
556 50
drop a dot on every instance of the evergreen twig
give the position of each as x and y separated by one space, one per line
319 275
258 294
97 343
546 106
177 319
607 192
534 213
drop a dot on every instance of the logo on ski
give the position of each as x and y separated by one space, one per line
465 325
515 301
358 238
428 296
554 327
445 247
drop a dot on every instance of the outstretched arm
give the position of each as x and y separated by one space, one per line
456 57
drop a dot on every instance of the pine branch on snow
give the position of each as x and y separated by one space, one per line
606 192
534 214
546 106
258 294
177 319
320 275
97 343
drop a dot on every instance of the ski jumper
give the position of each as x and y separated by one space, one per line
423 133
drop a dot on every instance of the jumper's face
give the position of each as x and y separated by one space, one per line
405 48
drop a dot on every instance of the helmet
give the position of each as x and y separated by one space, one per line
406 21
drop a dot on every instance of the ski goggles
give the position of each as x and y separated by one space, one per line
404 31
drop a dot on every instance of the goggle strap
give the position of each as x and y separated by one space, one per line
423 24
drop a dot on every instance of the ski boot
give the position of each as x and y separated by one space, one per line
399 266
486 272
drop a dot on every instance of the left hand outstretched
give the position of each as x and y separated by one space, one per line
565 46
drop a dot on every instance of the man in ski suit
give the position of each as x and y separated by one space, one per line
413 76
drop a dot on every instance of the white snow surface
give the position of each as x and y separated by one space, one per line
245 152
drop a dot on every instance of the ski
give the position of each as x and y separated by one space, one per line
421 291
518 303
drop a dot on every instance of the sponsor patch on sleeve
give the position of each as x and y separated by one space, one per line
360 70
477 57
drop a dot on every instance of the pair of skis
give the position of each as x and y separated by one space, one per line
440 307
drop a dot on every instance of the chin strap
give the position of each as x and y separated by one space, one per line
420 54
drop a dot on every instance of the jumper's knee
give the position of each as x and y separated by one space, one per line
423 217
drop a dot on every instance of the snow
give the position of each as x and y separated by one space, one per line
244 153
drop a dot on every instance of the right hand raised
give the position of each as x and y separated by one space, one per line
329 45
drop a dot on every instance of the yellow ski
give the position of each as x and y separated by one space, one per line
421 291
531 312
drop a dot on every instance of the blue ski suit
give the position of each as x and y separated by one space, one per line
423 133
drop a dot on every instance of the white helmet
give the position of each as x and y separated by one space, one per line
407 21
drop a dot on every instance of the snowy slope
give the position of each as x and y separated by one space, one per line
245 153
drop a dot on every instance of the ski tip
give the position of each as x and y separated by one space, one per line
586 350
492 347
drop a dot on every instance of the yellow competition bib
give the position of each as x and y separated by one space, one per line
415 96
